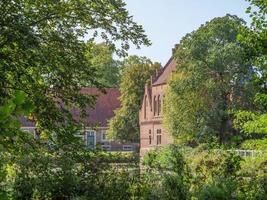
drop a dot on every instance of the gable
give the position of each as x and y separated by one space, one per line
163 77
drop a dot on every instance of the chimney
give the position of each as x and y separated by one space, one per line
176 46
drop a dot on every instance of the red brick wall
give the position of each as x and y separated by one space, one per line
152 123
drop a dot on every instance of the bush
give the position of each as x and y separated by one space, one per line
255 144
220 189
187 173
169 168
173 172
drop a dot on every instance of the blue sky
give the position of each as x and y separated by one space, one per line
167 21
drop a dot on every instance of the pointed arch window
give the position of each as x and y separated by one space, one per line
159 105
145 107
155 105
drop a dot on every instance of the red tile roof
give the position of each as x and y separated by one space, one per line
99 115
105 106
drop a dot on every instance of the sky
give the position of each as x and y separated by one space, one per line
167 21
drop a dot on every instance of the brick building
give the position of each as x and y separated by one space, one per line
152 133
96 123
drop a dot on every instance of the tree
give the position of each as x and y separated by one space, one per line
136 73
44 63
211 80
253 122
107 68
43 53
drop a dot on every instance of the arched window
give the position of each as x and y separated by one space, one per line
163 103
145 107
155 105
159 105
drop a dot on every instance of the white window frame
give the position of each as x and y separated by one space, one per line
150 138
88 131
102 133
159 135
30 129
80 134
106 147
127 147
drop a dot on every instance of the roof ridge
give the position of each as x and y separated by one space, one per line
163 69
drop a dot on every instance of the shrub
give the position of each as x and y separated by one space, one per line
255 144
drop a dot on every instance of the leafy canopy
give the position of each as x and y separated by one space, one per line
44 55
253 122
44 62
212 78
108 70
136 73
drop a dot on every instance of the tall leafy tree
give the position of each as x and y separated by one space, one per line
43 65
254 121
107 68
43 53
212 79
136 73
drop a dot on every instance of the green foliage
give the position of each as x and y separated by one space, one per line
253 121
211 79
252 184
108 69
45 172
43 55
44 63
136 73
18 104
206 174
255 144
168 167
250 122
223 189
187 173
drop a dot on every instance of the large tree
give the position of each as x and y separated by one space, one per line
107 68
43 52
211 80
43 65
136 73
253 122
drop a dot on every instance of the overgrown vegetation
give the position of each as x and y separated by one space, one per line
196 173
136 73
212 79
44 63
216 100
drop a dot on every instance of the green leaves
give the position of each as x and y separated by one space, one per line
45 62
212 70
252 121
6 110
108 70
20 97
19 104
136 73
